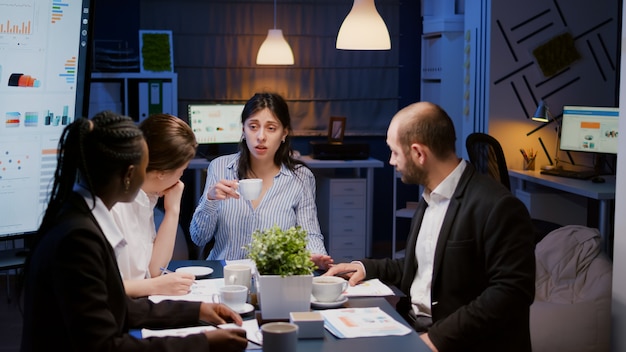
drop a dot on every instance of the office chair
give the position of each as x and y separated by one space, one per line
485 153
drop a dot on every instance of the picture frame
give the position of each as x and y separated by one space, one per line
336 129
156 52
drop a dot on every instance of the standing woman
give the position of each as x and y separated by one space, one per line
288 195
74 298
143 252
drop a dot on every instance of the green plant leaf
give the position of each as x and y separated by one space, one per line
281 252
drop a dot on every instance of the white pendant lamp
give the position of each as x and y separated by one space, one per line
275 50
363 29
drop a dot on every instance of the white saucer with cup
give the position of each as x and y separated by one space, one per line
328 288
234 296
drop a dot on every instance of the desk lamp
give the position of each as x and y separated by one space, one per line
543 114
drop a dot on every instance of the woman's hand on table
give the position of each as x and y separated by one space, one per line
174 284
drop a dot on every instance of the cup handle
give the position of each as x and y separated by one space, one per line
345 287
215 298
232 280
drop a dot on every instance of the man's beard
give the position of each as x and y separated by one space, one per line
413 174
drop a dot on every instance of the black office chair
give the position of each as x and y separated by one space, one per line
485 153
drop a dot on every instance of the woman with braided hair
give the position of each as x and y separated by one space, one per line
74 297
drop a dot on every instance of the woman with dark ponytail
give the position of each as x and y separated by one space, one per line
74 298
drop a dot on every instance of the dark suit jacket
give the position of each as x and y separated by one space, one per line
484 270
74 298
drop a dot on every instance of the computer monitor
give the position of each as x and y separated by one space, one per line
44 80
215 124
589 129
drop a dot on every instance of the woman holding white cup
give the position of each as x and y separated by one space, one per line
287 195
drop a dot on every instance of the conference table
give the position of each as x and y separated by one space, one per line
330 343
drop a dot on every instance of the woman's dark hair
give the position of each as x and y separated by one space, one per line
171 142
278 107
93 152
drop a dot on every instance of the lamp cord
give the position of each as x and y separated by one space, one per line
274 14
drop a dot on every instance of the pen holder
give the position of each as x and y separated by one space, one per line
529 164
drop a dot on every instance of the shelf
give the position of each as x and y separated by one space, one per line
405 213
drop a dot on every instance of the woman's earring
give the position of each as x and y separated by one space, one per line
126 185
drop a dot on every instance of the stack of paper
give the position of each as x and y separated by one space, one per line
372 287
201 291
362 322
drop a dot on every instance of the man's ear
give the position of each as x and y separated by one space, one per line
418 153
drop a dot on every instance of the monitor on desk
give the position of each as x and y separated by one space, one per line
589 129
44 84
215 125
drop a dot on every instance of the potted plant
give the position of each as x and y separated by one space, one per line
284 271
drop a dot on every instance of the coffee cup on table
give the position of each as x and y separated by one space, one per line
234 296
250 188
279 337
238 274
328 288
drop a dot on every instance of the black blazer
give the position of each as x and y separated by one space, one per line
484 270
74 298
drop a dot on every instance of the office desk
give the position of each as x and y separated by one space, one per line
603 192
330 343
361 168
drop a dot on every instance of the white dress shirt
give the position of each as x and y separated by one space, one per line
438 201
136 222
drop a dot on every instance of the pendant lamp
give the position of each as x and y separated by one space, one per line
275 50
363 29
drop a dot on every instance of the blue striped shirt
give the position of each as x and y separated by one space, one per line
290 201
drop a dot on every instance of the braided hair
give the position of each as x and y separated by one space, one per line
92 152
278 107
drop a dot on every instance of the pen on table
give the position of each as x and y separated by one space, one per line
342 273
221 328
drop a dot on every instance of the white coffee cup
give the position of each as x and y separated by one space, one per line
328 288
250 188
279 337
234 296
238 274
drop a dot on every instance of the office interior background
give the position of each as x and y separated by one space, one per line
473 57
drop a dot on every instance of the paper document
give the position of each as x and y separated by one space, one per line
372 287
251 326
362 322
201 291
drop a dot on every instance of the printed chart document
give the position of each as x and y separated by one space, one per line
251 326
372 287
362 322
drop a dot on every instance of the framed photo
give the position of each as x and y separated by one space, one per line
156 53
336 129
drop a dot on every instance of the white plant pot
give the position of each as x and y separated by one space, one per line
278 296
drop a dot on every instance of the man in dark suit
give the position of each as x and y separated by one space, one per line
469 270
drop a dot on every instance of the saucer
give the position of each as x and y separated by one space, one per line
338 303
196 270
247 308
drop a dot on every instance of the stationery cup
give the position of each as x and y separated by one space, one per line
529 164
238 274
250 188
234 296
328 288
279 337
